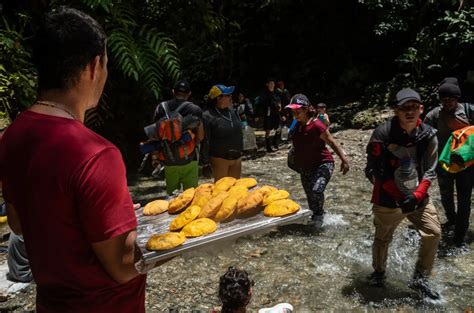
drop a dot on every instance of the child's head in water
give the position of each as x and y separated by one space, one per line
235 290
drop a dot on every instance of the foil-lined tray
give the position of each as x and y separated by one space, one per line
158 224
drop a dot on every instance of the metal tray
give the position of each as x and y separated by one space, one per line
149 225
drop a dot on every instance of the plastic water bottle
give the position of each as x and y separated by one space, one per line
284 133
406 176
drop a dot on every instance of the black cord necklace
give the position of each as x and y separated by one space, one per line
57 106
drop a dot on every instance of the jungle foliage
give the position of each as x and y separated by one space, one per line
335 51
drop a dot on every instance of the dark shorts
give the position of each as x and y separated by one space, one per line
271 122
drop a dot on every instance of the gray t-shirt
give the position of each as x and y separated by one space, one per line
447 122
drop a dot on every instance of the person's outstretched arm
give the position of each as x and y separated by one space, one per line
329 139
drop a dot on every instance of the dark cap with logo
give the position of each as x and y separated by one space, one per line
405 95
182 86
297 101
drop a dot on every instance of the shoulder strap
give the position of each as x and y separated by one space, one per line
467 110
181 106
164 105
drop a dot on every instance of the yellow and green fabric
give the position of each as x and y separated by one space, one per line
458 153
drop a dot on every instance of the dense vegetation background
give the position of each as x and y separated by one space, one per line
334 51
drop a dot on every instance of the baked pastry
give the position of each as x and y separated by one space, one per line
227 210
199 227
185 217
247 182
275 195
155 207
203 189
247 204
165 241
238 191
223 184
181 201
281 208
200 201
229 205
267 189
213 205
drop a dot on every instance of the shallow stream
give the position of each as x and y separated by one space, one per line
314 270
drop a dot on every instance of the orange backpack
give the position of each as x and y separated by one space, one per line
458 153
176 143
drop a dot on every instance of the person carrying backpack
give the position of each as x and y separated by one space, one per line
447 118
179 129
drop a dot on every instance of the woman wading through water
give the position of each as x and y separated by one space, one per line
311 156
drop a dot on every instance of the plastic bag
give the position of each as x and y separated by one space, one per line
284 133
250 142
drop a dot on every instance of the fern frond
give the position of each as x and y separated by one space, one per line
125 52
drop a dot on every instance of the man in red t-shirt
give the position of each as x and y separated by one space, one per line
65 186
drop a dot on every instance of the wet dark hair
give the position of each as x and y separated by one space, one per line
65 42
234 289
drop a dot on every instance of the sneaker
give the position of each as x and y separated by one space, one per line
318 221
279 308
377 279
420 283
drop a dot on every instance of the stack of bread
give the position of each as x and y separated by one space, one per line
201 208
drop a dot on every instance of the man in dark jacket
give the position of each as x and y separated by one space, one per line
448 117
401 160
270 106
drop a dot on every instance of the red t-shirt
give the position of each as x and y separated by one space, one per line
310 149
69 188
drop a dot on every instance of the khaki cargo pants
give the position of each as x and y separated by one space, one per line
427 224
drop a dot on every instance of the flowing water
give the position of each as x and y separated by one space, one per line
322 270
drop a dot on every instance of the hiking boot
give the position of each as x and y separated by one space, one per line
268 144
275 142
377 279
420 283
448 227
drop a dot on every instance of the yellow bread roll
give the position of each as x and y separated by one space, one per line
248 182
251 201
201 200
227 210
185 217
223 184
213 205
281 208
165 241
203 189
199 227
275 195
155 207
181 201
265 190
238 191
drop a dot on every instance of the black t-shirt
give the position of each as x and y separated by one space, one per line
223 133
270 103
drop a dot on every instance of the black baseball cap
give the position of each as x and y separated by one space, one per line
182 86
405 95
